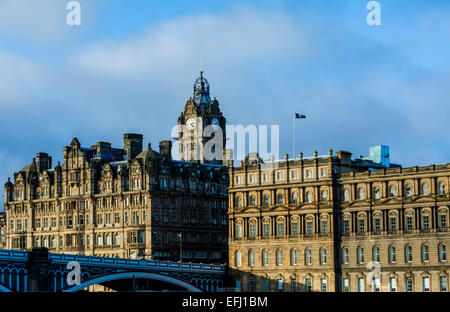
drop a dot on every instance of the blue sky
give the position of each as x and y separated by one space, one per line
130 67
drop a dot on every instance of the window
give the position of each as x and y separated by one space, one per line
376 254
251 178
293 285
293 256
392 256
323 284
237 258
265 258
408 253
238 201
361 194
442 253
426 283
252 230
345 255
294 198
392 191
393 284
376 225
346 226
251 258
345 285
346 195
425 189
266 229
117 239
266 200
361 226
279 176
324 196
293 174
266 177
323 172
308 284
108 239
309 227
308 256
308 173
238 285
425 223
409 284
361 284
279 257
308 197
409 221
280 228
376 284
408 190
266 285
251 285
442 221
443 283
325 227
425 253
239 231
360 252
323 256
441 188
280 198
376 193
393 224
294 228
279 284
99 240
252 200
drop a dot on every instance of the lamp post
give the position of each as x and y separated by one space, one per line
180 235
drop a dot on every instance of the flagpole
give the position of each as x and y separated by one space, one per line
293 140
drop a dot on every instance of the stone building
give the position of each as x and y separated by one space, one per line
2 230
331 223
124 202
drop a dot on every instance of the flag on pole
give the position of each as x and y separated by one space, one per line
299 116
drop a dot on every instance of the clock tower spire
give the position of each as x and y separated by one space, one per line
201 127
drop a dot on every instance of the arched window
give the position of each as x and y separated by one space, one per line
108 239
53 242
408 190
279 257
293 256
308 197
237 258
294 198
408 253
442 253
280 198
392 191
392 256
425 189
99 240
265 257
238 201
324 196
376 254
425 253
376 193
323 256
46 242
252 200
117 239
251 258
360 252
345 255
361 194
441 188
346 195
308 256
266 200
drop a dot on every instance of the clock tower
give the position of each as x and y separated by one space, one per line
201 127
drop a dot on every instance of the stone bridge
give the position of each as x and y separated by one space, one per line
39 270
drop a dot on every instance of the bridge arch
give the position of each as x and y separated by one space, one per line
3 288
138 275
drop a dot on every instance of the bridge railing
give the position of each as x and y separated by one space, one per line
142 263
14 255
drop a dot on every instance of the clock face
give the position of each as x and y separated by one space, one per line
190 124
